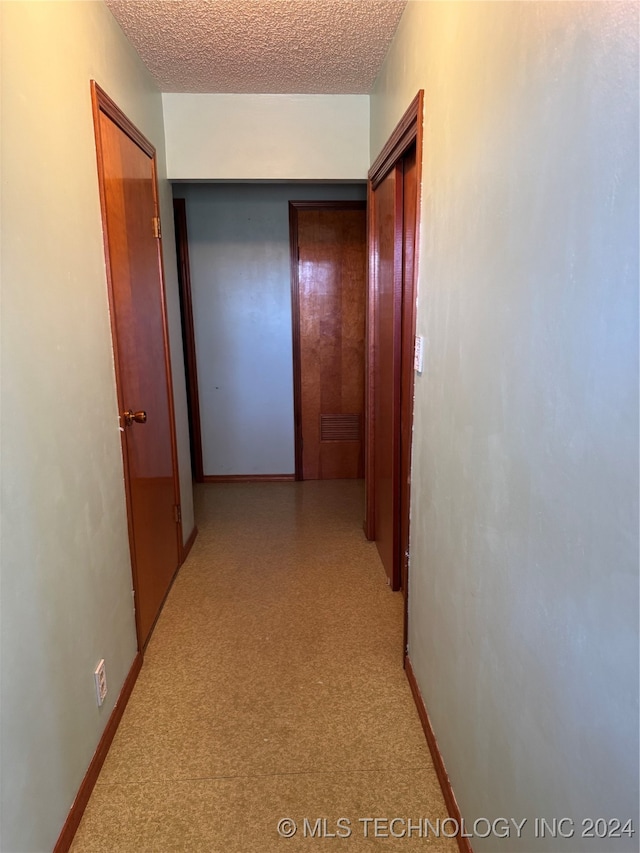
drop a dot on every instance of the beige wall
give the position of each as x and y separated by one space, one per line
523 609
270 137
66 575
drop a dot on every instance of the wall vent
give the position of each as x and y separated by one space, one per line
339 427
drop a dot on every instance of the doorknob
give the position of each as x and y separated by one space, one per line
129 417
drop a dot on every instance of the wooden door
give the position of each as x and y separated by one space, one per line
329 290
387 225
394 181
127 173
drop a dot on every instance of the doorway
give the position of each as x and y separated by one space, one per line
234 248
188 336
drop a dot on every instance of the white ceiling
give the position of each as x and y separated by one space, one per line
261 46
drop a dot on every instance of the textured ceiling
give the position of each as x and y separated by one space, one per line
260 46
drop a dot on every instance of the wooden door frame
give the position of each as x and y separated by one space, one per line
294 207
102 103
188 334
408 132
407 375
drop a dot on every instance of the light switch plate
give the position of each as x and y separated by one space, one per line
418 356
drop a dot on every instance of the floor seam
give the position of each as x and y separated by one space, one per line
172 780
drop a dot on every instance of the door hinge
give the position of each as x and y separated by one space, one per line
157 231
177 513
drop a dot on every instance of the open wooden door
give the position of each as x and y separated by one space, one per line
328 275
128 194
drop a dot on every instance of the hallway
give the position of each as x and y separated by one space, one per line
272 688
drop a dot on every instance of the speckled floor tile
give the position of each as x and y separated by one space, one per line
273 680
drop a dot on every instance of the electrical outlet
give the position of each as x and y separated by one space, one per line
100 676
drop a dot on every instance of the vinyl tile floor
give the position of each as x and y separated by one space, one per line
272 689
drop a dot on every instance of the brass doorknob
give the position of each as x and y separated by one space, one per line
139 417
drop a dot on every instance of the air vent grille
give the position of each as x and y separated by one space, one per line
339 427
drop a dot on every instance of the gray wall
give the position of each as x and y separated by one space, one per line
241 289
523 608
